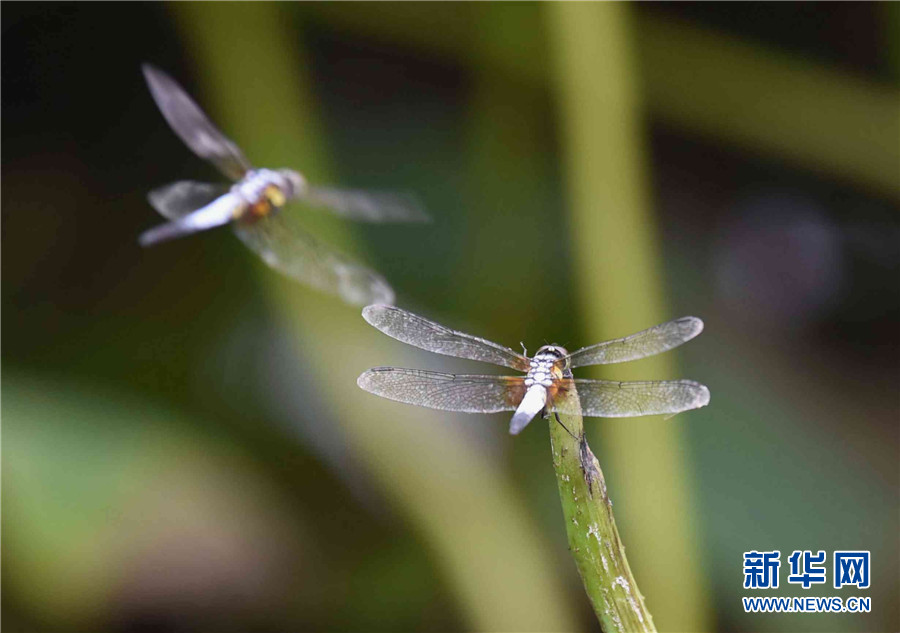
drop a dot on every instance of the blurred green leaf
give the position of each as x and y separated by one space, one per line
107 496
454 492
816 117
616 253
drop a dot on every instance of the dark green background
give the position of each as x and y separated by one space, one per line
158 473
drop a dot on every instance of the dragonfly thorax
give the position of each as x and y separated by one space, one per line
269 186
545 367
265 190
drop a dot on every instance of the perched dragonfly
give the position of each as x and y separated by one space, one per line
547 384
252 204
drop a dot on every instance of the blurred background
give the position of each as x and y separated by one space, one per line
185 447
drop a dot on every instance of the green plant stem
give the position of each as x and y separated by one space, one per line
591 528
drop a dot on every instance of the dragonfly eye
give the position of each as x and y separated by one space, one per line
553 350
295 182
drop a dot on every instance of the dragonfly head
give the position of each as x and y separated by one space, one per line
296 183
553 353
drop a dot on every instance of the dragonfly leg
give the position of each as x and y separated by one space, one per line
556 415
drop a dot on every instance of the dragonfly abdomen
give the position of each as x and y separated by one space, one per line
533 402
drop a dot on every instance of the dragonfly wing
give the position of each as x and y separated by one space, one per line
193 127
609 399
220 211
176 200
297 254
415 330
366 206
448 392
655 340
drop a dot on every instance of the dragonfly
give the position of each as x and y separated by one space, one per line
548 384
251 204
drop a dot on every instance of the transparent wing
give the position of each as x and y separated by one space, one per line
655 340
366 206
220 211
609 399
193 127
414 330
297 254
180 198
449 392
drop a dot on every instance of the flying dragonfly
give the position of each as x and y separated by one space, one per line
253 203
548 384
